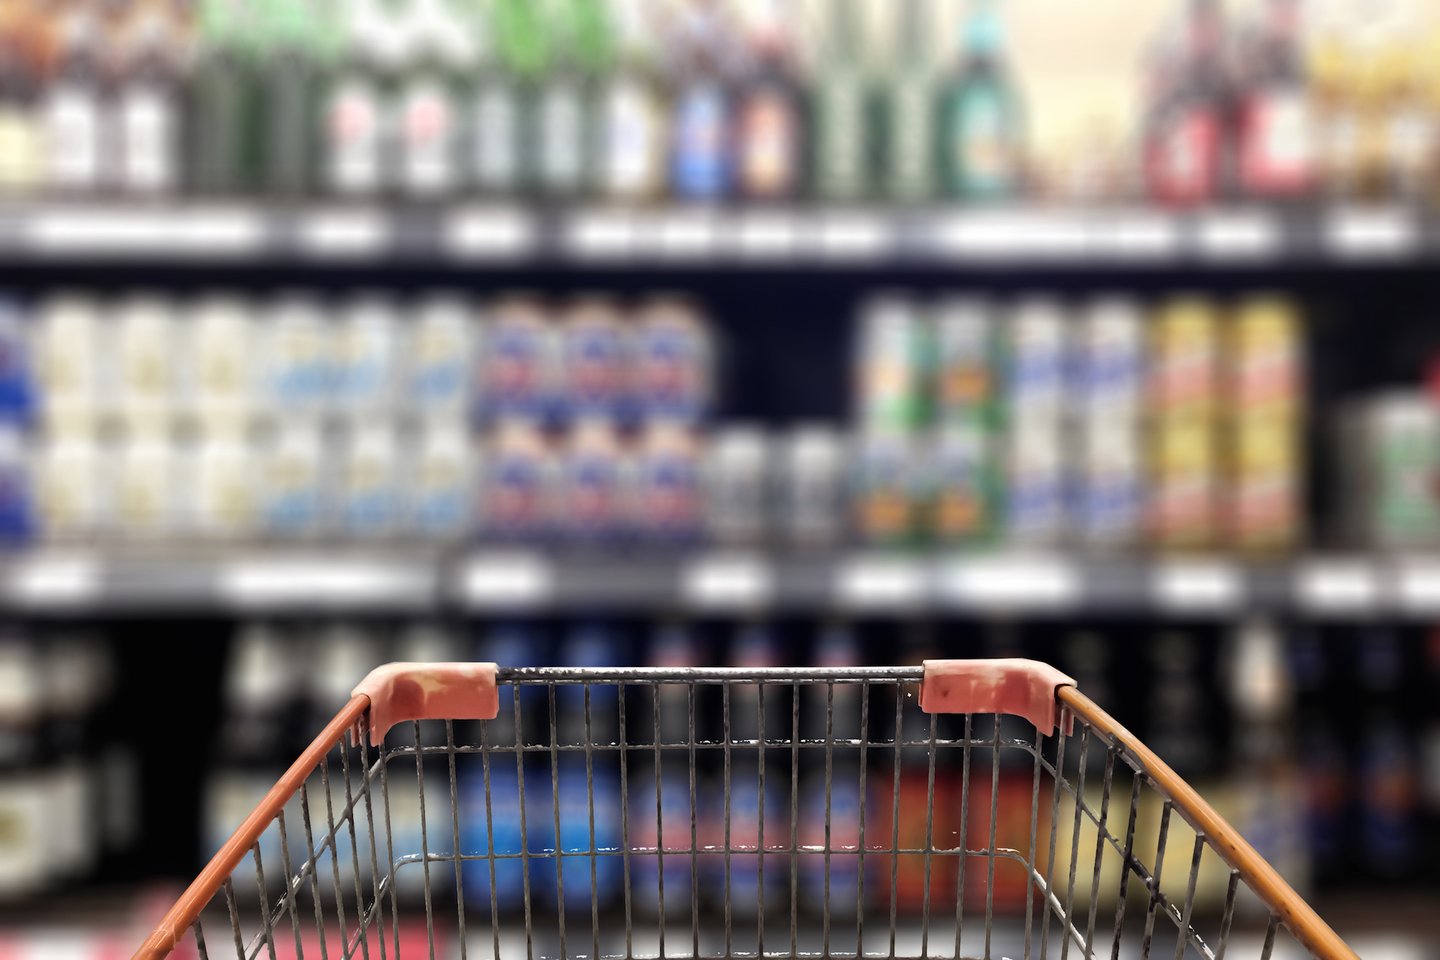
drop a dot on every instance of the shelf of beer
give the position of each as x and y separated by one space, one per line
518 580
709 236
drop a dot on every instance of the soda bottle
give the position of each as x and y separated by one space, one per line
75 105
770 118
701 154
221 102
631 159
909 110
20 142
981 115
437 62
1184 162
1276 155
843 95
355 116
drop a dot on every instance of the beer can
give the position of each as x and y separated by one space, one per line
1108 510
1264 512
370 483
1401 460
887 490
217 382
594 485
674 357
964 362
595 358
963 481
1185 361
441 493
69 353
1109 363
812 486
668 493
1184 484
296 360
518 485
1037 359
891 364
367 364
1266 359
1035 512
294 477
146 367
737 486
439 357
518 363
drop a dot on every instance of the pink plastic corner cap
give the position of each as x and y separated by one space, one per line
401 692
1015 688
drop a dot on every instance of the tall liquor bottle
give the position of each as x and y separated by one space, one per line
631 141
843 108
981 116
910 110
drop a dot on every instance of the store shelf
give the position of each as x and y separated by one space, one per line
364 582
477 233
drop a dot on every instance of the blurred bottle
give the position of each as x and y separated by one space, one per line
909 109
812 486
358 128
1335 76
770 113
1389 773
633 133
25 801
576 52
745 814
222 112
1187 140
843 107
1276 152
887 491
437 62
23 45
829 804
1412 137
257 735
737 487
966 479
981 115
702 150
78 99
149 101
659 792
587 810
500 116
297 45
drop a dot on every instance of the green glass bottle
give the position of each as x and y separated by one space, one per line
500 115
437 63
843 107
910 110
981 116
221 106
289 89
565 104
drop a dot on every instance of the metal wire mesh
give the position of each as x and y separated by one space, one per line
733 813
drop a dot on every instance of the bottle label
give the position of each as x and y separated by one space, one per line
632 134
562 138
497 141
1188 160
911 138
985 154
1411 141
73 129
354 127
147 118
768 135
19 150
700 168
429 140
842 137
1278 153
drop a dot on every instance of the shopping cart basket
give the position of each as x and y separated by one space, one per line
958 809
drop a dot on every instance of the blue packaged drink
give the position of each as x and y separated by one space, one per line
586 807
17 504
673 363
595 363
700 161
659 807
17 389
517 363
440 354
517 486
668 499
511 816
594 486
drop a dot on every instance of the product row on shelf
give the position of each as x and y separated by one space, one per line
430 99
1248 716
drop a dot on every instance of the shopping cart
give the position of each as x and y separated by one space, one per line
959 809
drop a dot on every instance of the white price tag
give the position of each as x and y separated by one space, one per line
854 236
727 583
492 233
688 235
1364 234
1015 582
343 233
1418 585
1199 586
882 583
507 580
1228 236
1337 586
601 235
766 235
328 581
55 581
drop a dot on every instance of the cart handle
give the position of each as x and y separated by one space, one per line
1015 688
166 937
402 692
1303 923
